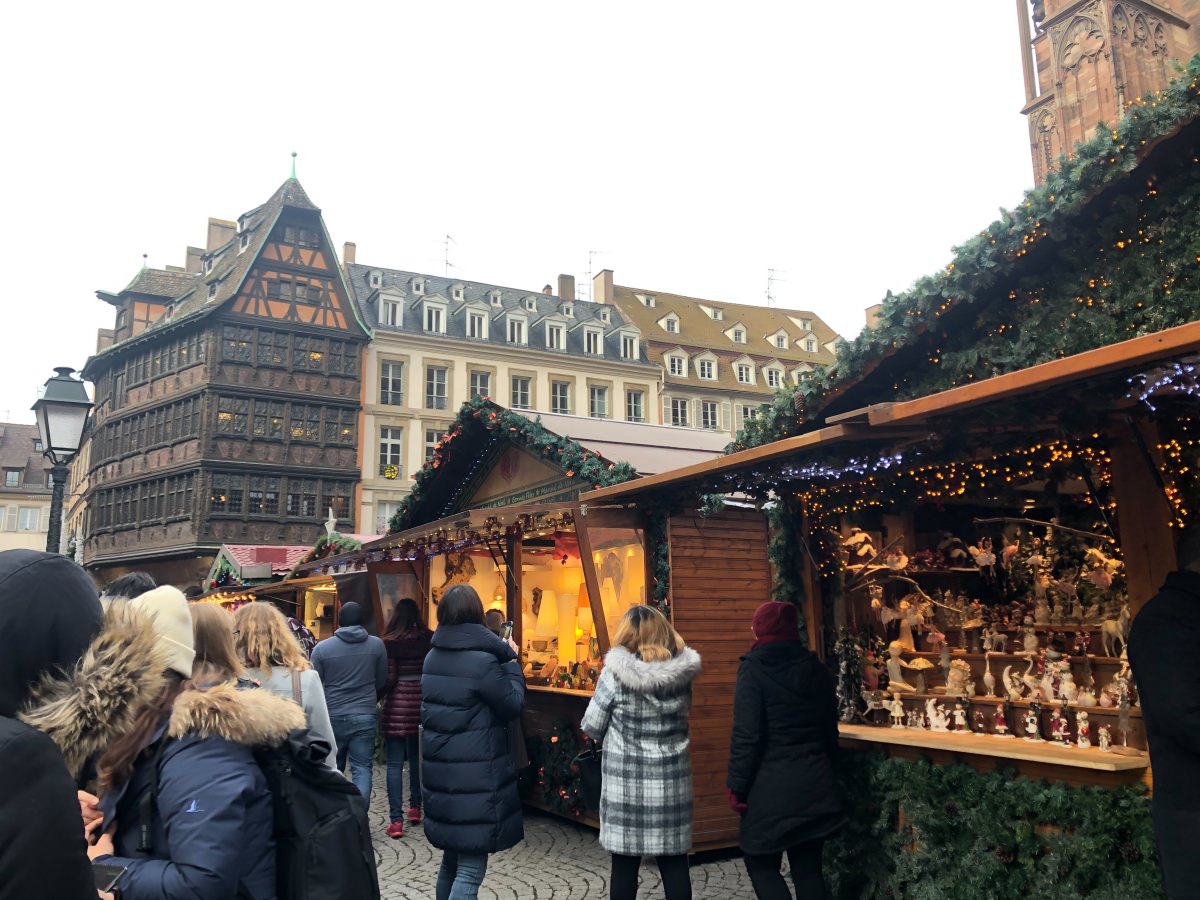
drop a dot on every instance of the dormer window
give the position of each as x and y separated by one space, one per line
774 378
531 304
555 337
435 320
647 300
477 325
458 292
418 285
739 335
810 345
212 291
677 366
745 373
717 315
593 342
806 324
495 298
629 346
390 312
208 264
516 331
568 310
605 315
243 222
671 324
781 341
375 279
706 369
243 241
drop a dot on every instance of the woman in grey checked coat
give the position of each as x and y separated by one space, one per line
640 713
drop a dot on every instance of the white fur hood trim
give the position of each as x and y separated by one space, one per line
653 677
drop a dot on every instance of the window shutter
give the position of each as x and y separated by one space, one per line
694 414
10 523
726 412
666 410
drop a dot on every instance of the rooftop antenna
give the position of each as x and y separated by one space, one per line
592 254
772 277
293 164
446 254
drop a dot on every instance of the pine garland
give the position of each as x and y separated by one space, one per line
986 835
331 545
584 466
656 539
552 774
1133 270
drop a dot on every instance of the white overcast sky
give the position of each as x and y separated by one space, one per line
695 145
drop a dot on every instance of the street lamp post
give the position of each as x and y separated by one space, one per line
62 413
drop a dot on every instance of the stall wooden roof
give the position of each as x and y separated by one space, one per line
882 422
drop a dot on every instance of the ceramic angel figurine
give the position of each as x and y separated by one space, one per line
1104 738
936 714
1000 722
1083 730
960 717
979 725
1032 726
897 711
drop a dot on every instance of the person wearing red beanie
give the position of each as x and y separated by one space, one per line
780 777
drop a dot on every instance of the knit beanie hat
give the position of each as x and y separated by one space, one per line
350 614
168 611
776 621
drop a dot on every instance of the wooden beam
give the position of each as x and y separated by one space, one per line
593 583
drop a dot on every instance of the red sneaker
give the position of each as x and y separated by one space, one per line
395 830
414 815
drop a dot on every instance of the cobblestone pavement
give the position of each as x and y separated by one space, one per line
558 860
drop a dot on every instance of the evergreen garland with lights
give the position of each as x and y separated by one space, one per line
1132 270
657 520
552 774
330 545
919 830
584 466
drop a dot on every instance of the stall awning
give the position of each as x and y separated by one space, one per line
889 421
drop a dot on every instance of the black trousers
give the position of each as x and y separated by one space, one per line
676 879
805 860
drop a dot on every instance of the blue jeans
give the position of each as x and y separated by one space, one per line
399 748
355 736
461 875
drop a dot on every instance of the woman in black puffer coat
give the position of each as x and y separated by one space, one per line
780 759
471 688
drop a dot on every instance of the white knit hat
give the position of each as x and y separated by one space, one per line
168 610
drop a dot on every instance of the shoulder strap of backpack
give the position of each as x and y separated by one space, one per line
297 693
148 802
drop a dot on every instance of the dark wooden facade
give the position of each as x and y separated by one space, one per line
233 417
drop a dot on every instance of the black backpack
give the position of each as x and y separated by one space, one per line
323 845
322 839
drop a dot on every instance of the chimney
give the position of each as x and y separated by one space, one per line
220 233
348 250
602 286
873 314
548 291
566 287
194 260
105 337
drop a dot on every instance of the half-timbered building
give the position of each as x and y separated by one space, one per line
227 400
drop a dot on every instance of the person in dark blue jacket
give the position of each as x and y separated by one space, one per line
183 803
471 688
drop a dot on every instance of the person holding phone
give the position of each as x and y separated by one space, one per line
49 614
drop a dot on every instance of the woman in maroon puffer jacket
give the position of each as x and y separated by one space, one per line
407 641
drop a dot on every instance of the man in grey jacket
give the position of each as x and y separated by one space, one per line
353 668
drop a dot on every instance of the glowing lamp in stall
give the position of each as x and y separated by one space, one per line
547 620
586 623
566 625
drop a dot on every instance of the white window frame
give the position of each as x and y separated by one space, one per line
630 347
391 312
635 411
598 401
24 513
680 412
749 411
496 298
391 374
477 325
432 394
676 366
745 369
474 383
671 325
527 387
781 341
432 436
435 315
774 377
516 331
738 335
806 324
391 448
706 369
593 342
810 346
560 391
707 407
384 510
556 336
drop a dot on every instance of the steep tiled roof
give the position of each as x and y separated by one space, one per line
230 264
17 452
398 283
281 557
160 283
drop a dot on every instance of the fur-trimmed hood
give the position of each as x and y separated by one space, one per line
84 710
122 671
663 676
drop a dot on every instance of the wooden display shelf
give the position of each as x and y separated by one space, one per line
1047 706
990 745
956 653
